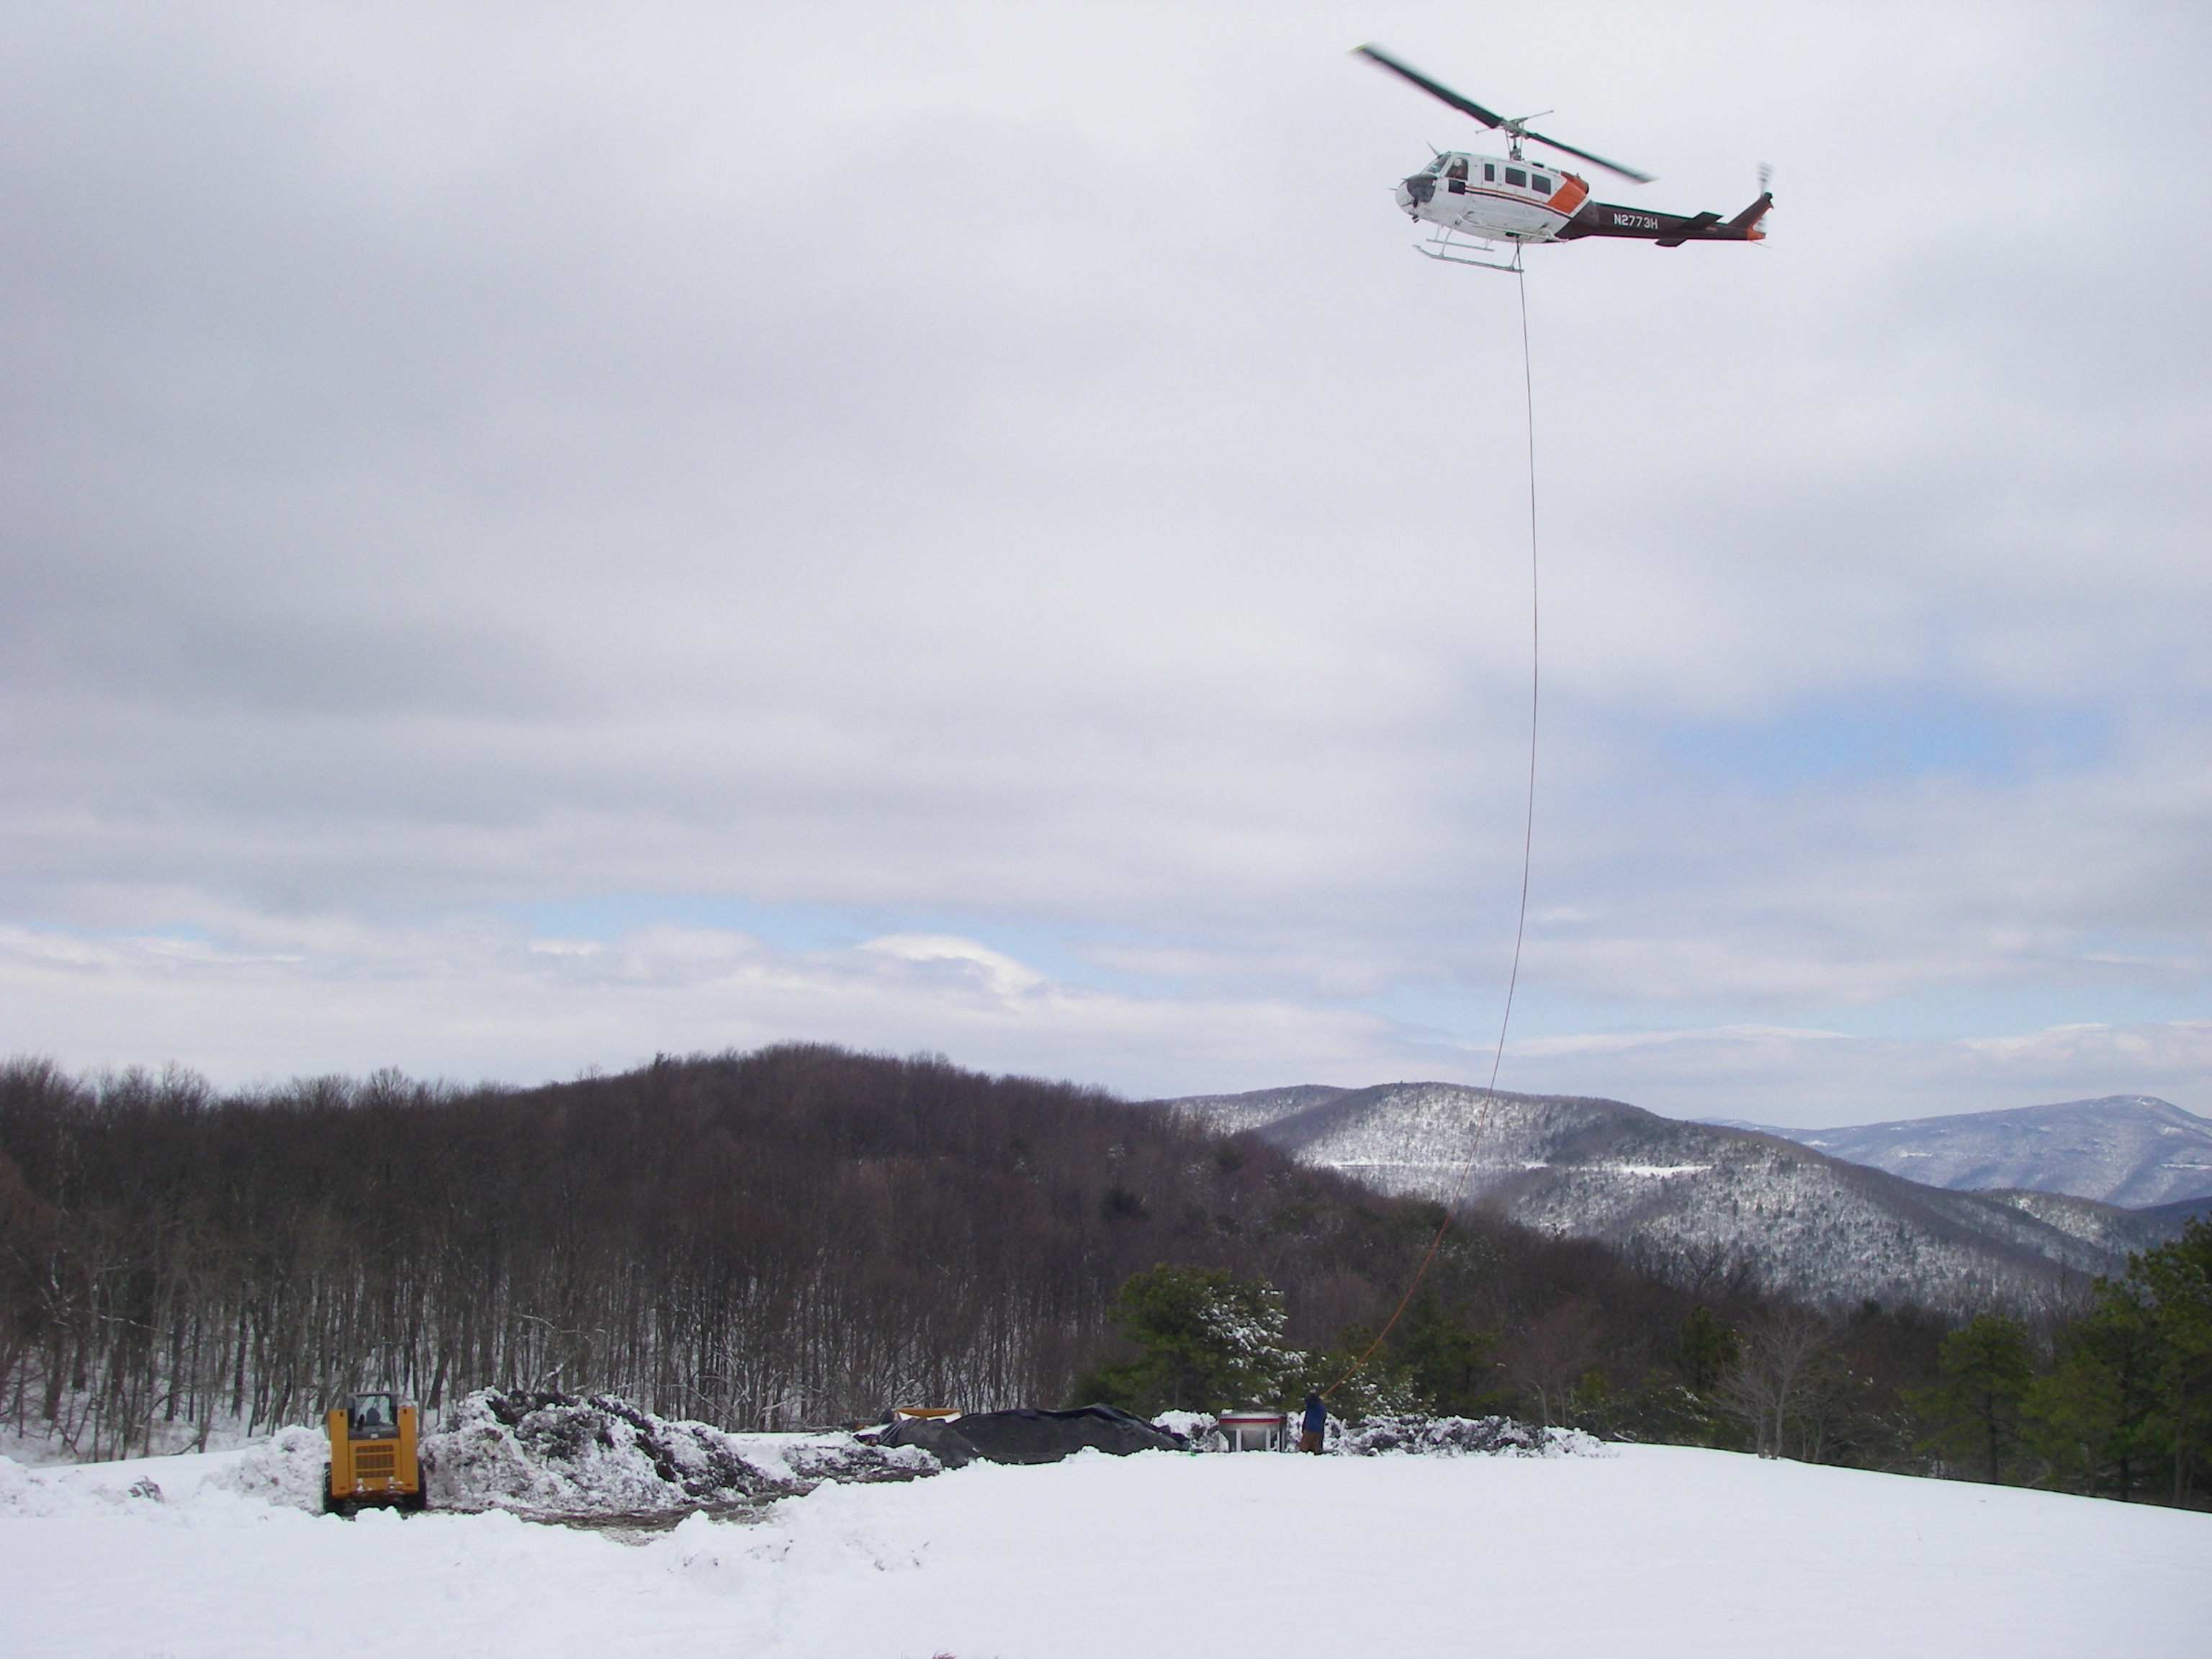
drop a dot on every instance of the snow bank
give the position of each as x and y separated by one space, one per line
181 1490
287 1470
20 1494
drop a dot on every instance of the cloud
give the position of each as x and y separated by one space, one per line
996 475
487 1000
1005 977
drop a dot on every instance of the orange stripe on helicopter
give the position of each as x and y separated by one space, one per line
1571 194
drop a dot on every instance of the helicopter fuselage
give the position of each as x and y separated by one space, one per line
1496 199
1501 198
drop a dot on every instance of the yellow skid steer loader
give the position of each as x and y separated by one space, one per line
373 1457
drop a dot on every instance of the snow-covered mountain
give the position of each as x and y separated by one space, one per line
1698 1199
2132 1149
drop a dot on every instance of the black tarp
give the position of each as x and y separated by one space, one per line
1030 1436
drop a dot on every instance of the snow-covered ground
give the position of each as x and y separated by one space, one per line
1657 1551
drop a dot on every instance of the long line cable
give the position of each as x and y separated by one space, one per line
1528 849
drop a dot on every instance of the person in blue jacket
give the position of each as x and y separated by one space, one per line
1311 1425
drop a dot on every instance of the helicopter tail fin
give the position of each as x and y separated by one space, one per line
1746 223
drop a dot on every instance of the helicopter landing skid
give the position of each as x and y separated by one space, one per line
1454 250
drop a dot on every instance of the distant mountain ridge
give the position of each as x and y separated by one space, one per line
1698 1199
2136 1151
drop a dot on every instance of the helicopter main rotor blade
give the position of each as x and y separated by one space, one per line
1629 173
1465 106
1488 117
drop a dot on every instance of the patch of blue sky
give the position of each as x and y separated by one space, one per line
2119 982
1907 736
1053 951
193 933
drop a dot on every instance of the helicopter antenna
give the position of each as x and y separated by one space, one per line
1514 125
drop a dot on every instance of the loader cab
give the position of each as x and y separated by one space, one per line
372 1417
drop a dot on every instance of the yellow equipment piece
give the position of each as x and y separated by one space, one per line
373 1457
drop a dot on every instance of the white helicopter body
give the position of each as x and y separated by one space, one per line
1496 198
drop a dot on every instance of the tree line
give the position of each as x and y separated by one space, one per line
2115 1403
803 1236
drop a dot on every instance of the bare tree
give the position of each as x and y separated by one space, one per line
1783 1385
1551 1356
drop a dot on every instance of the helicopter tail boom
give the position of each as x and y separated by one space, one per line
1666 229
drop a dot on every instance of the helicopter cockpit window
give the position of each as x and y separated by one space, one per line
1539 183
1455 176
1517 176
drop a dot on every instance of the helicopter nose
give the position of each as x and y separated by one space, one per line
1416 191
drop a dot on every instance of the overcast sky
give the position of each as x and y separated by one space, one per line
541 534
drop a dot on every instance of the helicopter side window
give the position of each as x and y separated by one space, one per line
1490 172
1517 176
1455 176
1540 184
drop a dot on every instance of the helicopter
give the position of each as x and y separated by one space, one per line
1507 198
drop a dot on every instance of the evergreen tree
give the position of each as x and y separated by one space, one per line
2094 1421
1706 1349
2173 1286
1209 1340
1449 1363
1976 1407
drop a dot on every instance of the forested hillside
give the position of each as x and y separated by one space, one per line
2135 1149
805 1235
1680 1196
798 1235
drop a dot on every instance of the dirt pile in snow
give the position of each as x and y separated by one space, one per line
1030 1435
1413 1435
1463 1437
558 1454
